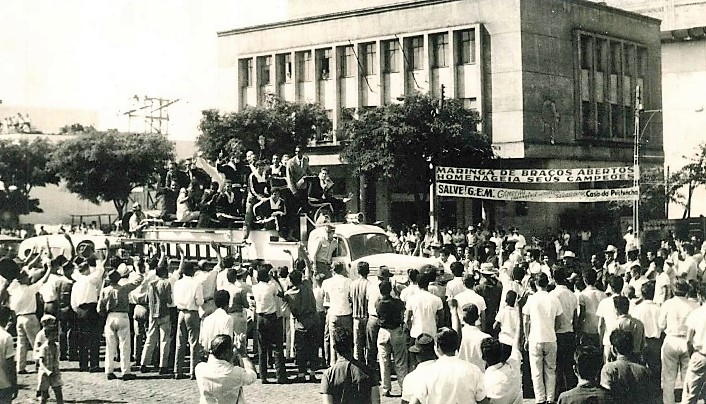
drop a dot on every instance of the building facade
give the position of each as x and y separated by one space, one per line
553 80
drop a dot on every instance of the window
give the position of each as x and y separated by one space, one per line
416 53
304 66
391 56
347 61
284 62
246 72
439 46
609 70
466 46
324 63
266 70
369 56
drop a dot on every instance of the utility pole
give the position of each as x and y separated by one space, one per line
636 163
432 168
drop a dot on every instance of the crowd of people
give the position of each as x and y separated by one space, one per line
252 191
484 323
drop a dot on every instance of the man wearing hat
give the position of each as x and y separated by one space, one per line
610 265
323 253
423 349
632 253
23 301
491 256
114 302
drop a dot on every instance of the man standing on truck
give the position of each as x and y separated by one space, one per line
323 254
297 169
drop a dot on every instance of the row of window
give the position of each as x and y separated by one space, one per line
364 59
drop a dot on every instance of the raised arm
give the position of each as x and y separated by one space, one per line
217 248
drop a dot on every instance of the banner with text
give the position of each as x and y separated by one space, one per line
536 176
503 194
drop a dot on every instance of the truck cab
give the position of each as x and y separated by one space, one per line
361 242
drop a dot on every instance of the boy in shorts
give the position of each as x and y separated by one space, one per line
49 374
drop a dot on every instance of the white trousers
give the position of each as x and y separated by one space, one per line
117 330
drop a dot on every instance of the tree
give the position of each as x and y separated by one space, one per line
23 165
107 166
691 176
399 142
283 125
76 128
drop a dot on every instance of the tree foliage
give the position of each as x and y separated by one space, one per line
283 125
23 165
107 166
398 142
692 175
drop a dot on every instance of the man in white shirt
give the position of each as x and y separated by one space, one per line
663 283
687 267
672 320
423 309
610 265
84 302
23 301
455 286
337 291
217 323
540 314
207 277
450 380
694 381
565 336
471 337
607 316
8 375
218 380
588 301
268 326
188 297
647 311
423 348
468 296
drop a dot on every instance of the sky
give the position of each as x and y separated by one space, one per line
97 54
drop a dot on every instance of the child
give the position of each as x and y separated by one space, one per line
507 323
49 374
41 338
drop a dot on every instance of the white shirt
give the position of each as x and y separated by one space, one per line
7 351
266 300
221 382
469 350
568 307
450 380
509 319
647 311
86 287
466 297
695 321
637 283
542 309
688 267
673 314
188 293
606 311
588 301
455 286
414 380
48 290
23 298
372 294
337 293
407 293
503 383
218 322
661 282
423 306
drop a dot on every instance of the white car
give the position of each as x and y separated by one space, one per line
85 244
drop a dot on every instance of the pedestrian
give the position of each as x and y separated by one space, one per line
239 290
588 361
588 301
694 377
337 295
359 305
422 311
607 316
221 378
391 341
646 311
323 253
565 336
217 323
450 380
348 380
268 326
423 349
66 315
188 296
301 301
159 297
507 324
471 337
672 321
8 374
23 301
207 276
372 329
502 378
49 374
541 313
627 381
113 302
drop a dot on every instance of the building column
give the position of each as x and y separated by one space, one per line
382 90
295 77
335 75
451 92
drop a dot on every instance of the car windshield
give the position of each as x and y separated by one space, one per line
366 244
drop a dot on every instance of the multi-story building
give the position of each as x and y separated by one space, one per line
553 81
